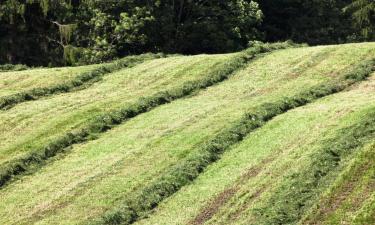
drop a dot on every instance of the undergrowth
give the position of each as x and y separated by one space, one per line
140 203
12 67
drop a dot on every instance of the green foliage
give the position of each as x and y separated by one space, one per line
12 67
207 26
363 13
122 27
28 31
313 22
103 30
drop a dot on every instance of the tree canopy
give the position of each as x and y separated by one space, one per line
58 32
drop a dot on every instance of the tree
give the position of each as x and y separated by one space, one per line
311 21
207 26
178 26
363 13
29 33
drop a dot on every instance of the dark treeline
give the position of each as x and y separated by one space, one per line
65 32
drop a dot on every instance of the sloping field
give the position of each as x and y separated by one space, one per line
268 178
33 125
18 87
14 82
243 138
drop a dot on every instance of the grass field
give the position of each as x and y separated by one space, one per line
14 82
233 190
314 151
33 124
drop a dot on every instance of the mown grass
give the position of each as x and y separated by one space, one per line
229 191
78 81
151 99
37 130
347 200
299 190
17 81
101 174
148 198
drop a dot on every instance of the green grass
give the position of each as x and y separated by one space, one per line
98 176
80 81
116 115
49 118
224 150
17 81
248 176
349 199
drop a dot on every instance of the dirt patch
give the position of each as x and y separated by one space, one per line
215 204
236 214
211 209
330 205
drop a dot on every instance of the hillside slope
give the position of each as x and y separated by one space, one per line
257 137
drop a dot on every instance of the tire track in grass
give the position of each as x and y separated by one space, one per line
250 174
141 203
323 207
222 198
83 80
346 184
33 160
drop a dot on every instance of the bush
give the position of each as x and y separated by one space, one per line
13 67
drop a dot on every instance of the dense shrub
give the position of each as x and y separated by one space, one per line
11 67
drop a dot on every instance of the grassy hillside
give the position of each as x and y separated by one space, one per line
14 82
244 138
32 124
244 186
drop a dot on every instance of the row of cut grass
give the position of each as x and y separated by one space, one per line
347 199
15 82
139 204
83 79
95 176
228 190
299 190
200 72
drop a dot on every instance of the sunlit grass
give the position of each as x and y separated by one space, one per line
95 177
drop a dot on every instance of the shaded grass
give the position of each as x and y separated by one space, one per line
140 203
110 119
83 79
